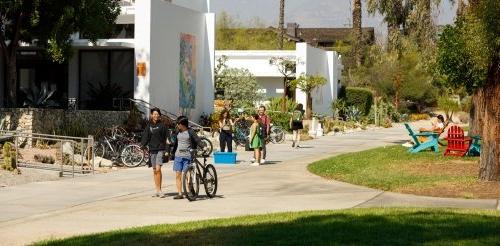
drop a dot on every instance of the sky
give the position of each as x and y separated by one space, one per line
314 13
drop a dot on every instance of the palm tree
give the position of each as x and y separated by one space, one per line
357 33
281 25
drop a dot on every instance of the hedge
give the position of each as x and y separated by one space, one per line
280 119
361 98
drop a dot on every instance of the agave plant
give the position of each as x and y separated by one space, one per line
353 113
39 97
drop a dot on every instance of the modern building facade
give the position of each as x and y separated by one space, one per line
162 52
309 61
172 41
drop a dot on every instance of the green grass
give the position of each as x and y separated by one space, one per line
345 227
386 169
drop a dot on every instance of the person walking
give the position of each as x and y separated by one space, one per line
185 140
155 137
265 120
226 131
256 132
296 124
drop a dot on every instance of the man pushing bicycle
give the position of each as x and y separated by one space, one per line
184 140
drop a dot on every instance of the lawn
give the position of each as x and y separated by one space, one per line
394 169
344 227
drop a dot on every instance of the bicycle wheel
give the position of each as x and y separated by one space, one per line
132 155
98 151
191 183
207 150
210 178
277 135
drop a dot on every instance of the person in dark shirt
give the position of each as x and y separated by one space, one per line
155 137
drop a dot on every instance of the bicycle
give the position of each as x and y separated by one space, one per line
241 132
118 149
276 134
198 173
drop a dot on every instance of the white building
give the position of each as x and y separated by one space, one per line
309 61
172 41
148 33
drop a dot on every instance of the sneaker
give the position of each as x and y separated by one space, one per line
293 144
164 195
255 164
177 197
252 160
263 161
157 194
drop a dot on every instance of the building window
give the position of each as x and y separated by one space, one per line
105 75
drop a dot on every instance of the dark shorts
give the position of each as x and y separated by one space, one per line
297 125
181 164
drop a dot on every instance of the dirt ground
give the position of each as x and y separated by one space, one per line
29 175
454 168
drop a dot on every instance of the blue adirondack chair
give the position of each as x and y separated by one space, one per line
431 142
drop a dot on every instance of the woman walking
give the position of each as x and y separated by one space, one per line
296 124
256 138
226 131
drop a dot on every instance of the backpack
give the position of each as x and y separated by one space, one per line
260 130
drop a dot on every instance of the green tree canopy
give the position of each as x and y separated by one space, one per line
49 24
307 84
240 87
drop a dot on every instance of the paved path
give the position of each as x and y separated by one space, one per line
123 199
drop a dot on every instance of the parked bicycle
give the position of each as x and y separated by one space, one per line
119 150
198 173
276 134
241 132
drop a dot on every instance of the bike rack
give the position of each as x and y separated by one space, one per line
24 138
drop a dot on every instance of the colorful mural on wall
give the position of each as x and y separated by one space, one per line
187 72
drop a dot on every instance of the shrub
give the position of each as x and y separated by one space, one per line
45 159
73 129
353 113
275 104
280 119
415 117
359 97
8 153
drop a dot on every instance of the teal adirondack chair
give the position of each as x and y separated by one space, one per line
432 141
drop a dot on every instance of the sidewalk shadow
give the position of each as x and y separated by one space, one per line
205 197
272 162
305 147
397 141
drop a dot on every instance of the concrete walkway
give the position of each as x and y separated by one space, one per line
123 199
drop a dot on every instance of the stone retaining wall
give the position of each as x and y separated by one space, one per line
49 120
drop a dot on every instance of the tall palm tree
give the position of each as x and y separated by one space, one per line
357 33
281 25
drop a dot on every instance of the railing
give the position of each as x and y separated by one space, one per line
24 149
143 106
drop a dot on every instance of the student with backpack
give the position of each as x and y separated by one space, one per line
296 124
256 138
184 141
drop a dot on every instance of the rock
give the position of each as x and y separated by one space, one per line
101 162
67 148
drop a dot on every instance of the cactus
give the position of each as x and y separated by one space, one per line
8 157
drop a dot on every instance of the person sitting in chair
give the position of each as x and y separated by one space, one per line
437 126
